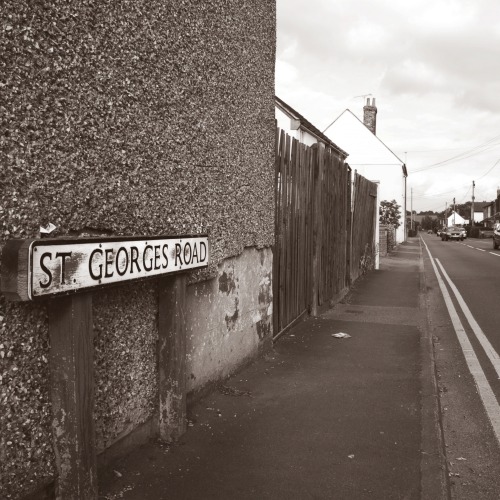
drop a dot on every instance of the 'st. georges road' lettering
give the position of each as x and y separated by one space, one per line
59 267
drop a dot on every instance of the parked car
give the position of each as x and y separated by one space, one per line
452 233
496 236
429 231
438 232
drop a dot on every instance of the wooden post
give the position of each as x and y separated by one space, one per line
72 395
172 357
316 224
348 276
277 249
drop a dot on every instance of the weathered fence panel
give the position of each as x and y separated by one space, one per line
333 220
312 219
325 229
293 225
365 211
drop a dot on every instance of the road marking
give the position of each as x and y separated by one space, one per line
480 249
483 340
484 389
470 246
497 254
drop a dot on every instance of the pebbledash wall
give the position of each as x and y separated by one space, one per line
135 118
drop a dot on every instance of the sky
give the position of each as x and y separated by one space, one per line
433 67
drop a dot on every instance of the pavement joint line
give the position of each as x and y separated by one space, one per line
484 389
478 332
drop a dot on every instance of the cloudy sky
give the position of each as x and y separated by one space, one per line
433 67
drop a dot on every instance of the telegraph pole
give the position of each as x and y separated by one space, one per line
411 208
454 210
472 206
445 212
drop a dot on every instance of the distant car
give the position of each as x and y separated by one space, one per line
496 236
438 232
452 233
464 233
429 231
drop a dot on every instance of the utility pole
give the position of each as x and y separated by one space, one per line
472 206
411 208
445 212
454 211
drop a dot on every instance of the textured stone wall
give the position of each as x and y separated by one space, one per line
391 238
383 240
127 117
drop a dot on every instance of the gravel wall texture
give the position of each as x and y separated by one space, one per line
124 117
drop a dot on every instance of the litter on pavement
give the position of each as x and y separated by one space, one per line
341 335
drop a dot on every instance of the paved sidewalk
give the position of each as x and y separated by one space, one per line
319 418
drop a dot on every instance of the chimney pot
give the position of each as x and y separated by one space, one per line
370 115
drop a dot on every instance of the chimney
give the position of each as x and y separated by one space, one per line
370 115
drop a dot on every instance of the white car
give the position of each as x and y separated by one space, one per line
496 236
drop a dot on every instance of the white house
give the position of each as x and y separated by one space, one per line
478 216
455 219
298 127
371 158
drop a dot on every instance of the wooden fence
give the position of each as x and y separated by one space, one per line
294 188
316 256
364 215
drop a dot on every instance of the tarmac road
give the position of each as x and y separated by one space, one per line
465 328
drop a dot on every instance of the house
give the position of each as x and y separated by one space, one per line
478 216
371 158
455 219
491 212
298 127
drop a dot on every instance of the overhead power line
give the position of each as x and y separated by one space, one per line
481 148
433 195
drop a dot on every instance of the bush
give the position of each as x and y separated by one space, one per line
475 232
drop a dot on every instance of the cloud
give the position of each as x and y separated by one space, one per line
367 38
431 64
414 77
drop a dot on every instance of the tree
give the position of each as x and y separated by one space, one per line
429 222
389 213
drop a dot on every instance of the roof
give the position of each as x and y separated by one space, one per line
307 125
347 129
479 205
